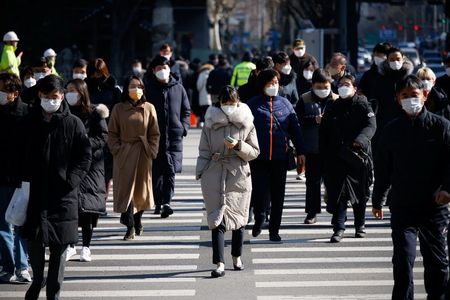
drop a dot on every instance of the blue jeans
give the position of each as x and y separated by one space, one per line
10 241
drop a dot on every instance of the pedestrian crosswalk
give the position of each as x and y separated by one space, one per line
172 259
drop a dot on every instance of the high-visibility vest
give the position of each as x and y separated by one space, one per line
241 73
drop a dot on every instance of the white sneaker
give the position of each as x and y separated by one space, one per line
85 254
23 275
6 277
301 177
70 251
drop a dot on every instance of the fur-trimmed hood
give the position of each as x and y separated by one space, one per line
241 117
407 68
102 110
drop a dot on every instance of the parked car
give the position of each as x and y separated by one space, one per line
438 69
413 55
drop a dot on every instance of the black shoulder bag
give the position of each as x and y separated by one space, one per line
291 163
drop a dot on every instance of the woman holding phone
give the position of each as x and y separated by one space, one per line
227 143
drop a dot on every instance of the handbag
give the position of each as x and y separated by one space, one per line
16 213
291 161
356 159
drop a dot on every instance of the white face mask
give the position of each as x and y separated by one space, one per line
412 106
396 65
378 60
345 92
50 105
447 70
137 70
72 98
299 53
307 74
286 69
428 85
321 93
228 109
272 90
163 74
38 76
79 76
3 98
168 57
29 82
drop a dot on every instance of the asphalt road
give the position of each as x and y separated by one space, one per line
173 259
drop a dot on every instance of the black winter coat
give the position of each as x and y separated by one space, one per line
104 91
173 111
307 109
58 156
384 103
248 90
368 82
11 121
288 87
298 63
92 189
414 161
438 102
345 121
443 82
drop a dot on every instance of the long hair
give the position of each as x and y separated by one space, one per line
82 89
125 97
99 67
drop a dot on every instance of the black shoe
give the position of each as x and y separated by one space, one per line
216 274
139 230
275 237
238 268
157 210
130 234
310 219
337 236
360 232
256 229
166 211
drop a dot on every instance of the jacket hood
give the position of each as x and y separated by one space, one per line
406 69
102 110
208 67
216 118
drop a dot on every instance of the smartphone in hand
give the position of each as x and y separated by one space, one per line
229 139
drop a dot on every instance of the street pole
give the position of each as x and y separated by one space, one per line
343 25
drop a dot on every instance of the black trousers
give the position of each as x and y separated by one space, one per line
131 220
163 179
313 184
55 276
430 228
218 243
269 184
340 214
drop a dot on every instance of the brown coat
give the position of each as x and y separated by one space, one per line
133 138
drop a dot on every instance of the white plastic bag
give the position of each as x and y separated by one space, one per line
16 213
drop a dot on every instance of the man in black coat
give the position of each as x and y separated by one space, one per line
173 110
57 158
346 128
414 164
12 112
370 77
393 70
299 57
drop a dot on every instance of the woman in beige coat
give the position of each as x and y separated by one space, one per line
228 142
133 138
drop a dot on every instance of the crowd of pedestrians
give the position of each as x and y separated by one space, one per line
74 138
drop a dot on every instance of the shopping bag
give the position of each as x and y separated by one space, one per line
16 213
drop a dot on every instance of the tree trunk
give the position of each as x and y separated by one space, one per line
215 43
162 29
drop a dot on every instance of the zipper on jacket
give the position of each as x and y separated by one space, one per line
271 127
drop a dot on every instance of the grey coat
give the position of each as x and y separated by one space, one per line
225 173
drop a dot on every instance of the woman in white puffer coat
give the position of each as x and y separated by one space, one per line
228 142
